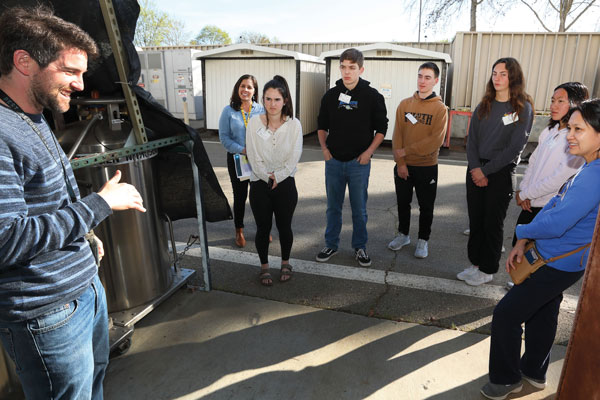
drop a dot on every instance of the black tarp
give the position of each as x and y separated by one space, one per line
102 75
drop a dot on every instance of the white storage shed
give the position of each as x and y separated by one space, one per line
172 75
392 70
222 67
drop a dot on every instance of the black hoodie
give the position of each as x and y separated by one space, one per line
352 126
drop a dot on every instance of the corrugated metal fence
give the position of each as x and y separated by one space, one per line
315 49
547 59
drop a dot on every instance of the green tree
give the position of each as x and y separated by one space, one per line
157 28
212 34
253 37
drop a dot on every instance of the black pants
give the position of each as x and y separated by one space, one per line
525 217
424 182
240 193
280 201
487 209
535 302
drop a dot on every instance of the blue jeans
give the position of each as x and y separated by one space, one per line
63 353
338 174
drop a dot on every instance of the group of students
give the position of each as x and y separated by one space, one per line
559 193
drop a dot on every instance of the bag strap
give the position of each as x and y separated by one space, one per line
563 255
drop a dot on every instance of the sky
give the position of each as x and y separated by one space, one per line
345 21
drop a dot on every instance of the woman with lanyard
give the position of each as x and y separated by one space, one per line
562 230
274 143
498 133
550 165
232 132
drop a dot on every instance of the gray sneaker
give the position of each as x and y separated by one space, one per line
421 250
464 275
500 392
536 383
399 242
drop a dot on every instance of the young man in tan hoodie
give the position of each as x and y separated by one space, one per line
418 134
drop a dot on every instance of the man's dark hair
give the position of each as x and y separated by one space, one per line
40 33
432 66
353 55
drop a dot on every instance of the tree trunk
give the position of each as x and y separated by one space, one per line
474 4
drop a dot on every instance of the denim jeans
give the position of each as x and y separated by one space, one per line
338 174
63 353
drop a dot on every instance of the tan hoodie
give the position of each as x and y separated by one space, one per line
420 141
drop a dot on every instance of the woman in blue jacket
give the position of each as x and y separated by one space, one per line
232 133
566 223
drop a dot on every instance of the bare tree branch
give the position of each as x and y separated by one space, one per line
580 14
536 15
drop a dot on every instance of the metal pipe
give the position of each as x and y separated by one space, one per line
172 235
83 134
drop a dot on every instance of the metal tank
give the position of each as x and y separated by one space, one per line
136 267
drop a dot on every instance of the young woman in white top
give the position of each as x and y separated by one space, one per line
551 164
274 146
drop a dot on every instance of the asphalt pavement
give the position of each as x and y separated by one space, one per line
403 328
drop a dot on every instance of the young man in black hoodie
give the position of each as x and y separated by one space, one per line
352 124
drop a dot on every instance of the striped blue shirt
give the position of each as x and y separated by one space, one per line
45 260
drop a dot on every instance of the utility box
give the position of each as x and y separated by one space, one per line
222 67
392 70
173 76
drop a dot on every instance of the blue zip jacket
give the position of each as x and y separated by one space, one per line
567 221
232 131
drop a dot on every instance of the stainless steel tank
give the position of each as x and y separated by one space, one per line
136 267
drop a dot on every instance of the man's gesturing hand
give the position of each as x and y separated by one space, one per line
121 196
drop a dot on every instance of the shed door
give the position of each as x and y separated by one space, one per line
394 79
221 76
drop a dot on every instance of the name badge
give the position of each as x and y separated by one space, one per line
411 118
510 118
263 134
344 98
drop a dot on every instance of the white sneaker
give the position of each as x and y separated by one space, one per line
467 232
462 276
479 278
503 249
399 242
421 250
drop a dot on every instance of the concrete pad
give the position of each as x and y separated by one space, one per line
219 345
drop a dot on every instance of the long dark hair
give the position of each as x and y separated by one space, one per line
278 82
236 102
576 93
516 88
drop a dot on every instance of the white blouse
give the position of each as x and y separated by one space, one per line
273 152
550 166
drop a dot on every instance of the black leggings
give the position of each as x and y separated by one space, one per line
487 208
240 193
280 201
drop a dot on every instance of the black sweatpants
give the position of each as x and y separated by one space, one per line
281 202
525 217
424 182
487 208
240 193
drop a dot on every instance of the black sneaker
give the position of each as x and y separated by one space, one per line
325 254
362 257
